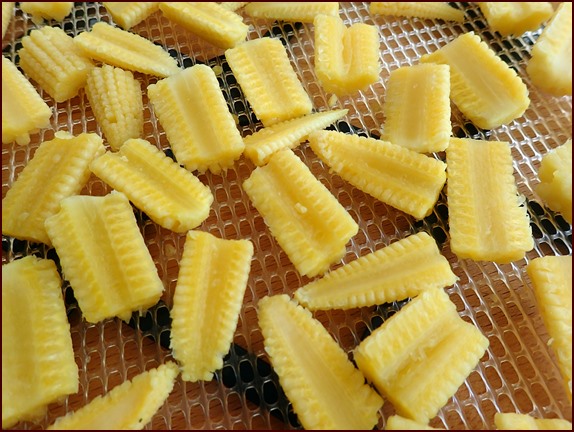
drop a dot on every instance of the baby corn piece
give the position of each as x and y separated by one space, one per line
420 356
210 21
431 10
292 11
41 11
196 119
7 12
126 50
232 6
326 390
555 173
417 108
485 89
104 256
346 59
399 177
129 14
403 269
513 421
515 18
396 422
129 406
23 110
59 168
288 134
263 71
38 365
212 280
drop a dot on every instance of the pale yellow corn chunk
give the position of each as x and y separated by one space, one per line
512 421
126 50
288 134
104 256
129 14
7 12
304 217
326 390
432 10
396 422
212 280
486 219
196 119
129 406
515 18
268 80
291 11
232 6
38 364
41 11
59 169
23 110
417 108
346 59
485 89
555 175
399 177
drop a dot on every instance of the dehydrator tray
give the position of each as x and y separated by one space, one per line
518 373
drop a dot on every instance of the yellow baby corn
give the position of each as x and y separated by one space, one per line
7 12
196 119
515 18
38 364
232 6
326 390
41 11
268 80
399 177
485 89
129 14
396 422
430 10
291 11
59 168
512 421
555 173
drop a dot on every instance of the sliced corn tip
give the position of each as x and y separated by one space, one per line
41 11
304 12
7 12
509 18
431 10
396 422
513 421
232 6
129 14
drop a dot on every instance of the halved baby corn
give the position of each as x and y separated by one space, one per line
41 11
232 6
7 13
432 10
515 18
555 173
513 421
291 11
129 14
396 422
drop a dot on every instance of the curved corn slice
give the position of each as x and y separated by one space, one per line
555 173
326 390
196 119
417 108
129 14
399 177
431 10
268 80
305 219
126 50
396 422
293 11
512 421
288 134
212 280
38 365
421 355
59 168
515 18
104 256
130 405
7 12
23 110
485 89
41 11
486 219
232 6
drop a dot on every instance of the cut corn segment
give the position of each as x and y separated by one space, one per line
59 168
232 6
555 173
7 12
487 221
126 50
417 108
326 390
196 119
399 177
431 10
38 365
307 221
104 256
512 421
404 269
41 11
304 12
515 18
485 89
421 355
288 134
263 70
129 14
129 406
396 422
212 280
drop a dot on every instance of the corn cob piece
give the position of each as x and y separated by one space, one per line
126 50
23 110
129 406
304 12
104 256
195 117
487 221
396 422
512 421
555 173
428 10
399 177
38 364
212 280
326 390
263 70
346 59
421 355
41 11
232 6
59 168
288 134
515 18
130 14
485 89
7 12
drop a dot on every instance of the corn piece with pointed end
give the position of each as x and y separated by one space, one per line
129 406
515 18
304 12
270 84
126 50
326 390
59 168
513 421
485 89
41 11
555 173
430 10
396 422
38 365
232 6
129 14
7 12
